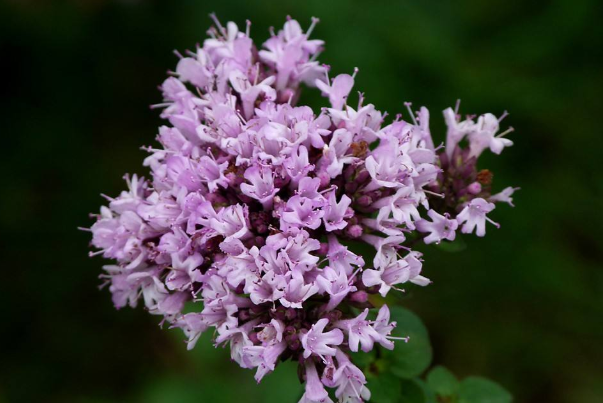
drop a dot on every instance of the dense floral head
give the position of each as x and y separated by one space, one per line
254 200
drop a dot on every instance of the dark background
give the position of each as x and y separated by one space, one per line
523 306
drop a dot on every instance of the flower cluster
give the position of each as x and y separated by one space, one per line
254 201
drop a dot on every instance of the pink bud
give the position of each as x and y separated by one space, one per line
355 231
359 296
474 188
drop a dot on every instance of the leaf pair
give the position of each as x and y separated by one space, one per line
447 388
393 376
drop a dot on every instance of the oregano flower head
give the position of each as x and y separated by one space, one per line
254 200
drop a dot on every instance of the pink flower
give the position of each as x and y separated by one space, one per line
504 196
335 213
474 217
315 391
262 185
336 284
360 331
441 227
338 91
320 343
484 136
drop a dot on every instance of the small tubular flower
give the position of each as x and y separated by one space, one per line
320 343
474 217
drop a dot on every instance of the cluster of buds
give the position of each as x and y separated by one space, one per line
254 200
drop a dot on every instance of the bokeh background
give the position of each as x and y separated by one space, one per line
523 306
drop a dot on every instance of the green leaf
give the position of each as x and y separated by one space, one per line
412 391
442 382
408 360
481 390
407 321
429 393
385 388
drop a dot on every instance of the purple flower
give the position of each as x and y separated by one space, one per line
193 326
504 196
336 284
474 217
297 291
298 165
441 227
320 343
196 71
262 185
457 130
349 381
484 136
250 92
338 91
302 212
212 173
360 330
315 391
335 154
335 213
341 259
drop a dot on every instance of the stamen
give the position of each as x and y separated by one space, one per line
509 130
178 54
162 105
360 99
434 193
412 115
157 150
354 389
257 73
312 25
98 252
332 187
217 22
356 70
504 115
104 284
327 68
352 276
405 339
241 118
497 225
457 106
248 28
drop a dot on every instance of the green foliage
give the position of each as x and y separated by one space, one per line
481 390
393 376
413 391
385 387
442 381
410 359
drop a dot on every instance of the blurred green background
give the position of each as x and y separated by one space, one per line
523 306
